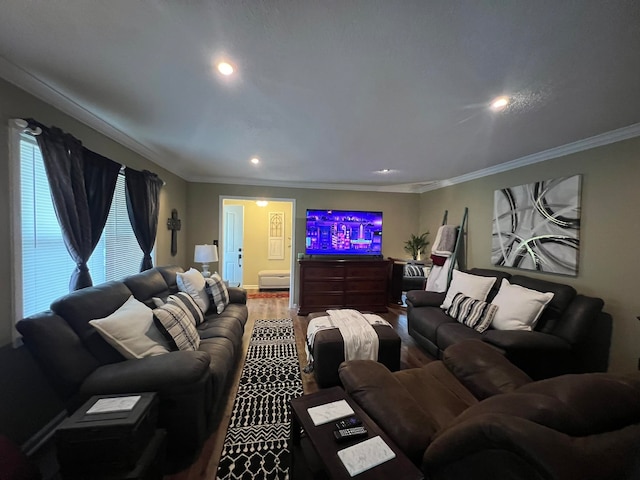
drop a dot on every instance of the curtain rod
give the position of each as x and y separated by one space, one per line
24 125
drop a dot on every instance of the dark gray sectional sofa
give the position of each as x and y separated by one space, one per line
192 385
573 334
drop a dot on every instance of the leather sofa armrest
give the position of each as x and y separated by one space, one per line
511 340
421 298
506 446
483 369
389 404
168 373
237 295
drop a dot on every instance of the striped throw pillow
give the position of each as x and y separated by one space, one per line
473 313
179 318
413 271
217 291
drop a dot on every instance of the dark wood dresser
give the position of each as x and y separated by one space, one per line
361 284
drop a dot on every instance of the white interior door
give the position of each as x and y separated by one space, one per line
233 229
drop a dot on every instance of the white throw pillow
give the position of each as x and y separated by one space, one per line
192 282
473 286
518 307
131 330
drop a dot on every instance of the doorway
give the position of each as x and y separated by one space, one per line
232 240
257 234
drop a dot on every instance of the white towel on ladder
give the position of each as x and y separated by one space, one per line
437 279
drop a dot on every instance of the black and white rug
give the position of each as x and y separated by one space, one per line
257 441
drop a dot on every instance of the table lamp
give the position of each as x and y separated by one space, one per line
205 254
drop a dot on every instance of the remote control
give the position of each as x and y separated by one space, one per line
348 423
346 434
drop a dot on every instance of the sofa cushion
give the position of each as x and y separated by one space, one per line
518 307
217 292
427 321
169 273
193 283
64 359
471 312
473 286
228 327
146 285
131 331
437 392
454 332
86 304
482 369
178 319
233 310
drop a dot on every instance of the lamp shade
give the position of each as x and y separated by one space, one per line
205 254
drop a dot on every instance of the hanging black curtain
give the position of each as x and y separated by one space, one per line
76 202
100 177
143 203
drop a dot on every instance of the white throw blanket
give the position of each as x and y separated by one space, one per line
437 279
360 339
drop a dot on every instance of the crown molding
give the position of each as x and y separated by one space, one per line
24 80
401 188
600 140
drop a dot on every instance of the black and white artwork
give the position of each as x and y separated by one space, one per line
537 226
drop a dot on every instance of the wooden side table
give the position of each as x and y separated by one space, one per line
326 448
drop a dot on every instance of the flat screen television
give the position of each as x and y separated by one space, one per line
343 232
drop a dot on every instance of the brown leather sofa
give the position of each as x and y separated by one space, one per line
573 334
191 385
474 415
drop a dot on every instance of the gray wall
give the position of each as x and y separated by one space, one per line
26 401
610 229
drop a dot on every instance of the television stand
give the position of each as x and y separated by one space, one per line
356 283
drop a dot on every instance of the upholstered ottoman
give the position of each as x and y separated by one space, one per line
328 351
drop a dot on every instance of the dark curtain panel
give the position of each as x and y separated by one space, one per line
100 177
62 156
143 203
82 183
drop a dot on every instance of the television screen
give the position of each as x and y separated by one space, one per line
343 232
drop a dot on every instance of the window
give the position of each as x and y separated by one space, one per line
42 264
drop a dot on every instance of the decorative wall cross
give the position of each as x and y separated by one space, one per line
174 225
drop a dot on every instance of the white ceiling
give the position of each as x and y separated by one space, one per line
329 92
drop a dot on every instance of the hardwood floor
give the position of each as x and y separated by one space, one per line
207 464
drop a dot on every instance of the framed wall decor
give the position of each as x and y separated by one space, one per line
276 236
537 226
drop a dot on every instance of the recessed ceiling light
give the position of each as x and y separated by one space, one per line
262 203
225 68
255 160
384 170
499 103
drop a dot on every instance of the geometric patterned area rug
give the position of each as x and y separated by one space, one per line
257 441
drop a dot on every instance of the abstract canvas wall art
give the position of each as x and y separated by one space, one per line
537 226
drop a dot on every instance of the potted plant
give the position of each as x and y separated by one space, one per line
416 245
